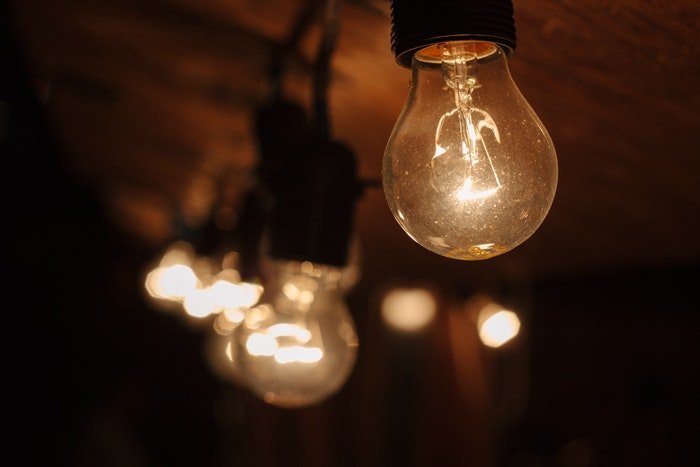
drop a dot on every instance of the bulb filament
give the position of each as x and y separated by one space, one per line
459 142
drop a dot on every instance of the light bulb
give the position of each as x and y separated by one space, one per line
231 293
497 325
173 278
469 171
200 303
408 310
298 345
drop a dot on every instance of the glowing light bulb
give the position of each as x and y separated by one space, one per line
298 346
230 293
200 303
469 171
408 310
171 282
228 320
497 326
173 278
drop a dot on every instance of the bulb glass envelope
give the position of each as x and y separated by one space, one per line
469 171
298 345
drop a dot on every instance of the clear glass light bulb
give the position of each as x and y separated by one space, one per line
298 345
469 171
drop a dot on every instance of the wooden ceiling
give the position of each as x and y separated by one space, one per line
147 97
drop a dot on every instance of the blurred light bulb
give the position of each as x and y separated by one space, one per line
200 303
228 320
230 293
497 326
298 346
171 282
408 310
173 278
469 171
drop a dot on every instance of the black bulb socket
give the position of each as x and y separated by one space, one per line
417 24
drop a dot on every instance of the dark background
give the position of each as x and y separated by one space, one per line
110 109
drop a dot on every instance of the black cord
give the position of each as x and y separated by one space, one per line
322 68
282 53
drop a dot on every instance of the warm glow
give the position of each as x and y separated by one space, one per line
248 294
200 303
229 351
295 354
265 344
221 356
153 283
467 193
178 253
468 161
261 345
171 282
298 354
255 316
290 290
296 294
499 327
290 330
233 315
230 294
228 320
224 293
408 310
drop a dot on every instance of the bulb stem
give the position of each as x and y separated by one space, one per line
459 62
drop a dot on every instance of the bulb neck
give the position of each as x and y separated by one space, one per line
415 25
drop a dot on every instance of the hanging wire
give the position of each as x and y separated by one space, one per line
322 68
283 52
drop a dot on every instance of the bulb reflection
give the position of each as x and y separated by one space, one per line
220 356
497 326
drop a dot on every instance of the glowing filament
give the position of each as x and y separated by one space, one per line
459 132
261 345
298 354
467 193
267 344
290 330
